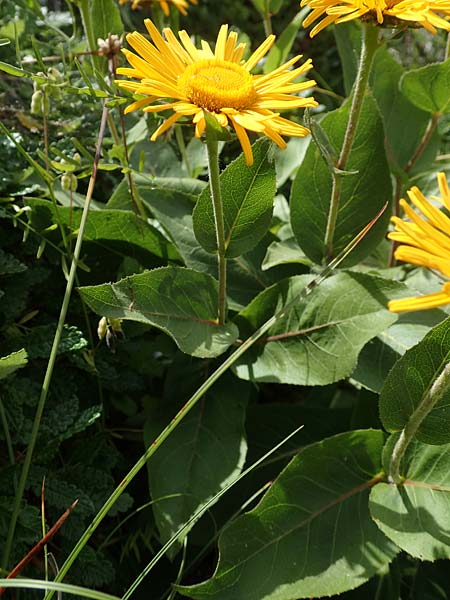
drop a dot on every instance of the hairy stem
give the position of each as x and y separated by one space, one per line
197 396
368 49
440 386
54 350
216 197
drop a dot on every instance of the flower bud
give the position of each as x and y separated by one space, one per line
102 328
69 182
37 103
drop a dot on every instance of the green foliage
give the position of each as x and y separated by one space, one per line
415 515
142 351
427 88
276 550
410 380
12 362
179 301
318 342
177 477
365 189
247 196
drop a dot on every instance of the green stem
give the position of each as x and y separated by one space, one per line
6 432
368 49
267 24
195 398
54 350
216 196
440 386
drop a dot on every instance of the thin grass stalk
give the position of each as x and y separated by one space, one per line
54 350
199 513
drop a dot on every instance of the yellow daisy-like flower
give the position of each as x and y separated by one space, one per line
432 15
198 80
181 5
424 241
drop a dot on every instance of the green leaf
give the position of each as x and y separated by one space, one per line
379 356
410 380
12 362
173 210
9 265
105 18
38 341
404 123
311 535
213 429
427 87
121 196
280 50
247 199
118 230
363 194
181 302
416 514
12 70
282 253
320 339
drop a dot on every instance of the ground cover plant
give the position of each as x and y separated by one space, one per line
224 262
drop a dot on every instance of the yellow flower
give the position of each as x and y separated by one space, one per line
432 15
181 5
424 241
198 80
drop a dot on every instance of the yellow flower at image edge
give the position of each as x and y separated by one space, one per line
193 80
432 15
181 5
424 241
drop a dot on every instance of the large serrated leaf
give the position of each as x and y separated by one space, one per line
311 535
180 480
410 380
320 339
363 194
181 302
247 200
416 514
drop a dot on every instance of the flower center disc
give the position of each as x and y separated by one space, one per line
214 84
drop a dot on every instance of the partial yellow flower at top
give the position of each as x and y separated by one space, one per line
424 241
181 5
432 15
198 80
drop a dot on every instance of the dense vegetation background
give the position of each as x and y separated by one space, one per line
110 397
